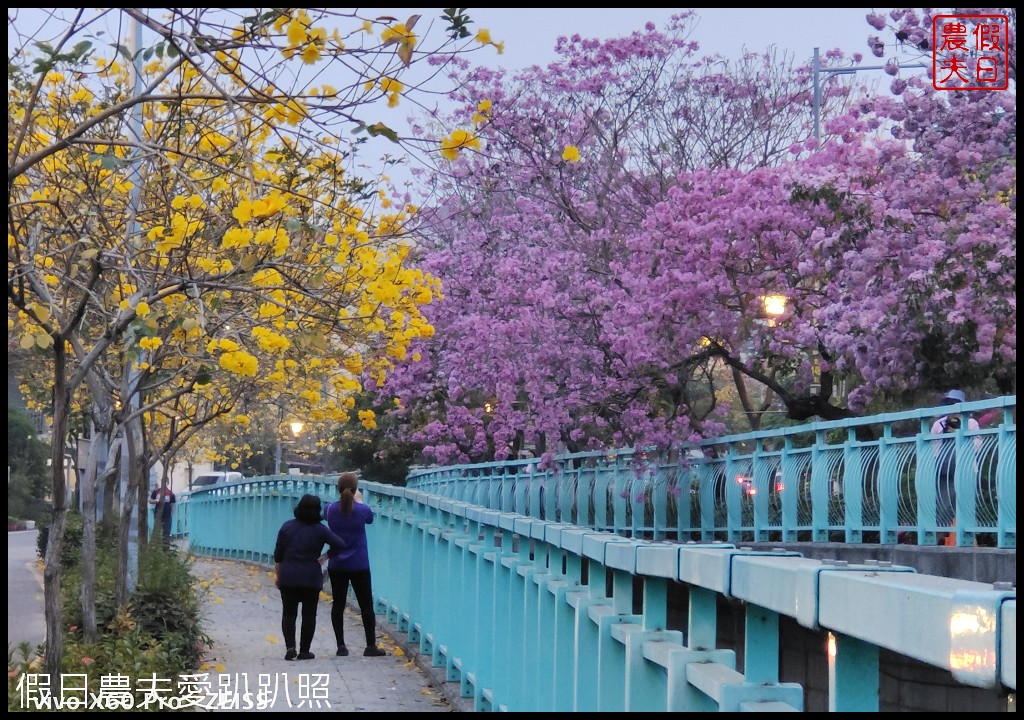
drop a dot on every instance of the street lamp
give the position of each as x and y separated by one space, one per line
296 428
825 73
774 304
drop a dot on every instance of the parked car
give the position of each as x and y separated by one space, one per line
215 478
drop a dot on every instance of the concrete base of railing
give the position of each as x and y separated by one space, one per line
985 565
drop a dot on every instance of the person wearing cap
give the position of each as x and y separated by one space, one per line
945 462
298 572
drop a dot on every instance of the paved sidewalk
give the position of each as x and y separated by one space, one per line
242 614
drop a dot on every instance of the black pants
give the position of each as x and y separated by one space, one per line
361 586
291 598
945 496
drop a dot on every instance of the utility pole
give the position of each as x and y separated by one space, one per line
822 74
134 205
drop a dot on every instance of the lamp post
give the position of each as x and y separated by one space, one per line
825 73
296 428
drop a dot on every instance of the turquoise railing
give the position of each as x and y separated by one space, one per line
534 615
545 589
240 520
816 482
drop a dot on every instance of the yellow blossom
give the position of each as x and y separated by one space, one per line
296 33
240 363
398 33
391 85
459 139
270 340
571 154
310 54
237 238
242 212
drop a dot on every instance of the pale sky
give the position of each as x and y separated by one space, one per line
529 36
530 33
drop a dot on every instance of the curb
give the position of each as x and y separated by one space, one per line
449 690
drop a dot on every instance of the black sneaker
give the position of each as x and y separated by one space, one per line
305 656
290 655
375 652
343 651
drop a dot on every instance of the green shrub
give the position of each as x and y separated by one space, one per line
157 634
71 551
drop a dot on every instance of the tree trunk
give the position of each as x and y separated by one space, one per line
55 542
88 495
127 546
101 424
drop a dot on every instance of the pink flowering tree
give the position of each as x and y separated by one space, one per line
613 231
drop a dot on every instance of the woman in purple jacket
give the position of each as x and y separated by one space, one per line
298 569
348 518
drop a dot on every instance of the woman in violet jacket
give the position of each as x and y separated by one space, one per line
348 519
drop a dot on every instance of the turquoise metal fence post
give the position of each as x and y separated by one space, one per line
477 591
926 483
409 604
442 550
505 646
564 623
620 498
466 625
706 493
733 499
659 501
1006 482
761 646
590 597
852 675
566 484
889 473
646 681
612 653
424 583
700 638
637 500
603 476
487 631
853 488
761 475
789 493
584 495
449 628
819 489
524 614
538 632
966 482
434 577
544 585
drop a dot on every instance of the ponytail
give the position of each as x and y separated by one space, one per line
347 484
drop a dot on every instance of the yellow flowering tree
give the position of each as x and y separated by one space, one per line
185 237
